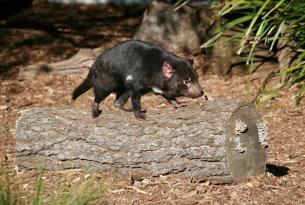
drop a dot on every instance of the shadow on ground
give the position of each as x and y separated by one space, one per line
277 171
55 30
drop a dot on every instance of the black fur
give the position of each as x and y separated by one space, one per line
132 68
85 86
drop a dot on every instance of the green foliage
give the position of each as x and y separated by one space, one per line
81 194
38 198
268 22
6 196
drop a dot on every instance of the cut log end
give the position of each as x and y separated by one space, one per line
222 142
246 153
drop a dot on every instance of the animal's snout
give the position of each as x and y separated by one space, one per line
195 90
201 93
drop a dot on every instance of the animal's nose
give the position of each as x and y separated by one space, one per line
201 93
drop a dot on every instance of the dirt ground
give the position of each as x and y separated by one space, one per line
50 33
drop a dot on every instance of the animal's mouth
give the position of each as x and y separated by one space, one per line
196 95
195 91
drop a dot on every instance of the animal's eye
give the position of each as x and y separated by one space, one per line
186 82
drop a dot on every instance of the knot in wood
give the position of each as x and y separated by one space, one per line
263 137
239 147
240 127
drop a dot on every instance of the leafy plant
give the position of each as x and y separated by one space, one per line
82 194
6 197
38 198
269 22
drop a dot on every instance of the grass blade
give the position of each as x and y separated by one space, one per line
276 36
177 6
300 95
211 41
250 28
273 9
38 198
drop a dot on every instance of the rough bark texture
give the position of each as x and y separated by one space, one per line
286 55
77 64
224 59
180 31
222 141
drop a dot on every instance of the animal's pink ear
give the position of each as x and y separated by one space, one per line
167 70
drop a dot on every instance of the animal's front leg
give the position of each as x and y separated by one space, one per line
175 102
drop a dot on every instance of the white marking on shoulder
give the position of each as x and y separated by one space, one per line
129 77
157 90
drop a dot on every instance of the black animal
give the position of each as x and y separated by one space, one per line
132 68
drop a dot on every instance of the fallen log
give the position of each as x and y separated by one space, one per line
77 64
222 142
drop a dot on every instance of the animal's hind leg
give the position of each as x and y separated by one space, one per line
99 96
121 98
136 105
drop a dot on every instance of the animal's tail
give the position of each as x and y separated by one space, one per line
85 86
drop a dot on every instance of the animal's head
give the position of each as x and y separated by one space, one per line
181 79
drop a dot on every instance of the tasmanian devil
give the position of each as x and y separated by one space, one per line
132 68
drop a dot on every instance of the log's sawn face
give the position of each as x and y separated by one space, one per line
246 143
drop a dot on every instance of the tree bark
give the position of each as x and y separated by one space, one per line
222 142
224 59
175 30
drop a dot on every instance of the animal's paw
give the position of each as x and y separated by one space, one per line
96 113
179 105
140 115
